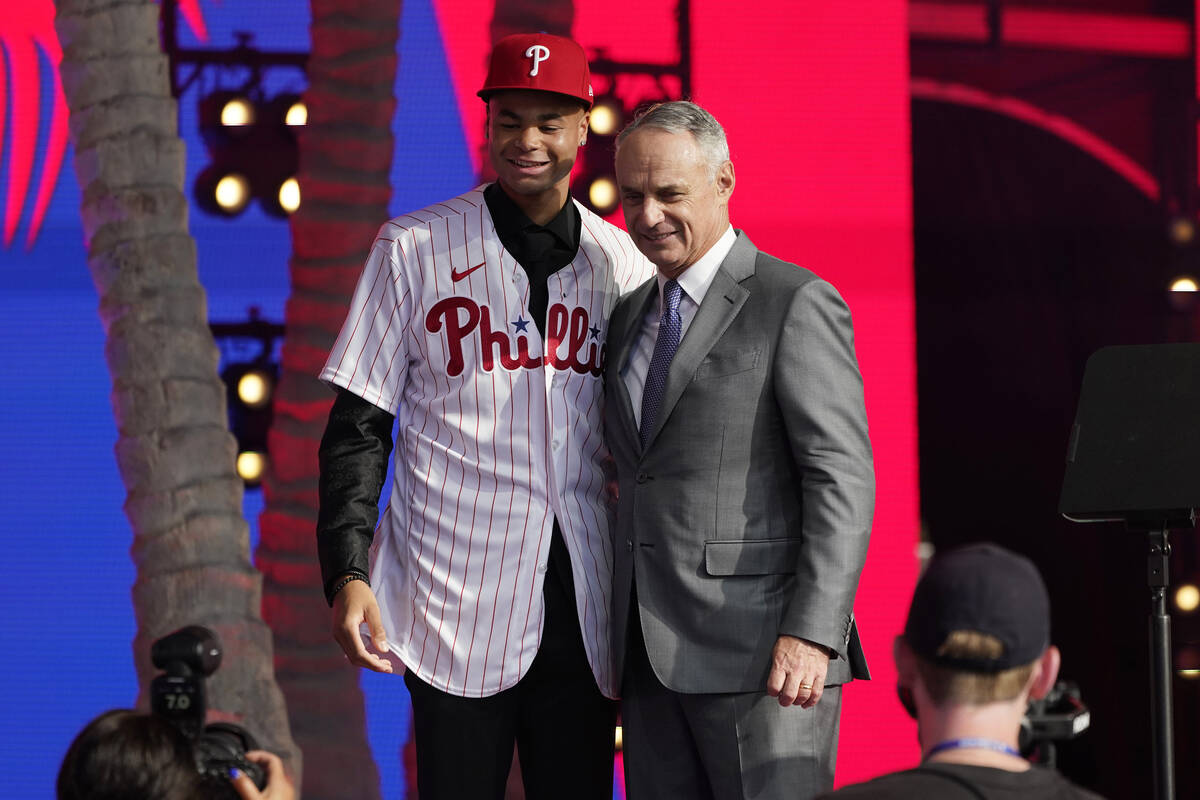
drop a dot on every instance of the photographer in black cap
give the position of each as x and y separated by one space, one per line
975 649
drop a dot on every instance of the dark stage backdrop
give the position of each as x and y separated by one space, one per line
1030 254
815 101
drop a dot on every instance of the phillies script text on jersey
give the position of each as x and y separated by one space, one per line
562 324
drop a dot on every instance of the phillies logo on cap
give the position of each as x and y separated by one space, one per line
539 53
541 62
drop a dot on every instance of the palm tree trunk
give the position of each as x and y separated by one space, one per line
522 16
174 451
345 160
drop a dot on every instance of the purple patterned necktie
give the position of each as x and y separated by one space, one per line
669 329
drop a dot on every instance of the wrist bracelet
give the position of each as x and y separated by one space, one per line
342 583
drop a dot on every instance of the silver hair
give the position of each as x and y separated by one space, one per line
684 116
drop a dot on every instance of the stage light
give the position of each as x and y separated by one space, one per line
225 116
232 193
237 112
297 114
1187 598
287 109
254 388
1187 662
1182 295
606 116
602 194
289 195
251 466
1182 230
220 190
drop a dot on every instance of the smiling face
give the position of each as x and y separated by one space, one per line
533 138
675 207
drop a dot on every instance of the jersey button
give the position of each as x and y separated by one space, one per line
542 567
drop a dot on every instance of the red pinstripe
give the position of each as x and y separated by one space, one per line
354 330
508 517
429 467
492 513
529 471
457 508
474 510
595 450
441 497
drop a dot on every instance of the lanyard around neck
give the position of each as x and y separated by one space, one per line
971 742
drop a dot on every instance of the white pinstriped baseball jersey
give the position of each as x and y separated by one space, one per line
499 434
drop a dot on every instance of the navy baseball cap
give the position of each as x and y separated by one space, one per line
983 588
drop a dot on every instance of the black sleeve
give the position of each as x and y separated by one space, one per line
353 457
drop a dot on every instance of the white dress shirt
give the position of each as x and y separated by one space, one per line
694 282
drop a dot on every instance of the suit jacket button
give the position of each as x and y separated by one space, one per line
629 545
642 477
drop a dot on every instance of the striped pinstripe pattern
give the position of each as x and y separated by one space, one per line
498 434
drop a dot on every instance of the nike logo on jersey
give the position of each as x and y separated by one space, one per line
458 276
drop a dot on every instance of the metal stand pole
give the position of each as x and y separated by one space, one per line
1162 723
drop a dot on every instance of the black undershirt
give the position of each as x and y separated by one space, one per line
541 250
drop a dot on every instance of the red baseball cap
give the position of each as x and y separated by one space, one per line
541 62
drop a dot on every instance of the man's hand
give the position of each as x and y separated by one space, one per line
354 605
279 787
797 672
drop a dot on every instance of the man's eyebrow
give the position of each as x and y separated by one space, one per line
548 116
670 187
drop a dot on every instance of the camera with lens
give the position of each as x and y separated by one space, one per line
187 657
1059 716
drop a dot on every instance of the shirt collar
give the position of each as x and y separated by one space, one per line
510 219
696 279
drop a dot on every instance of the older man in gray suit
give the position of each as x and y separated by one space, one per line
734 412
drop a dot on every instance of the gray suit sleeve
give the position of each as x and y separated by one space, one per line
820 392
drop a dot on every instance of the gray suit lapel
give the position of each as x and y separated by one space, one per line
721 304
630 327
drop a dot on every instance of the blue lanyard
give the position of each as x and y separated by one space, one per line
956 744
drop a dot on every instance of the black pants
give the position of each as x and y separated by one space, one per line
562 725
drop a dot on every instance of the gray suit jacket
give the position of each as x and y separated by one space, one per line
747 515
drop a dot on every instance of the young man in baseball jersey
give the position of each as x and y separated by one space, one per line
480 324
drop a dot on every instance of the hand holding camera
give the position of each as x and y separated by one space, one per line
278 786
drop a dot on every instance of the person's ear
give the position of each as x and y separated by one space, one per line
725 181
1045 673
906 665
